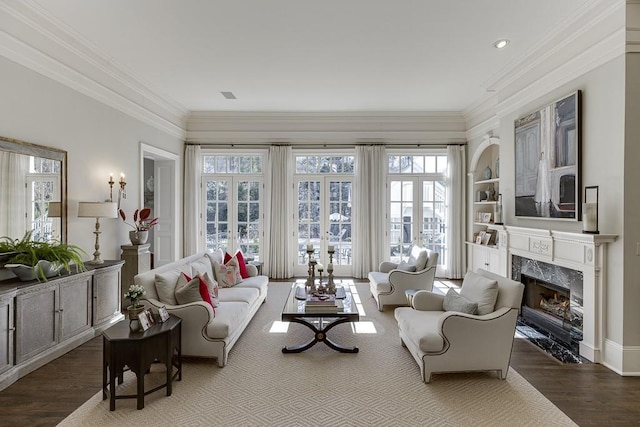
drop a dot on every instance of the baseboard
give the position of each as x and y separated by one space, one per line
623 360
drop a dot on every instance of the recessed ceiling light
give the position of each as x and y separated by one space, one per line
500 44
228 95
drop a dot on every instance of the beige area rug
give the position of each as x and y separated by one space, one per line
380 386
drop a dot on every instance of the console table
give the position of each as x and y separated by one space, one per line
138 350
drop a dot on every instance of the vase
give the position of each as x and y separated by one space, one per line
133 312
42 268
138 237
487 173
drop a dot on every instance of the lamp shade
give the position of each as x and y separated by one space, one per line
55 210
97 210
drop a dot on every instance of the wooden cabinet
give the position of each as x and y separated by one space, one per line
40 321
107 293
6 330
50 313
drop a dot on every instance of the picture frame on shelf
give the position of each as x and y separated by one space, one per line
486 238
480 237
486 217
149 313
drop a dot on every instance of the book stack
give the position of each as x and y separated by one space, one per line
322 303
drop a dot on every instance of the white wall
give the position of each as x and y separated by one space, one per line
98 139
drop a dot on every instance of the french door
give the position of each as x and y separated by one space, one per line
416 216
233 214
324 217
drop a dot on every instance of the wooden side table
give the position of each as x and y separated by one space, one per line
122 347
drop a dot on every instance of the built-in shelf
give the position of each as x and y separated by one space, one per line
485 203
488 181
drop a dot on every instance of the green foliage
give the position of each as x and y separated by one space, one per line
28 252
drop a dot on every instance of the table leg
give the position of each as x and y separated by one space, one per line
320 335
112 379
140 380
104 368
169 361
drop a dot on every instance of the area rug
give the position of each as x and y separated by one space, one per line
379 386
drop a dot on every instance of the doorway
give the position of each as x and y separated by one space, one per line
160 182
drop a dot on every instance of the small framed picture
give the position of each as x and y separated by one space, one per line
478 240
144 321
486 238
150 317
486 217
164 314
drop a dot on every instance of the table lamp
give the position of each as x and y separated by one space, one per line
97 210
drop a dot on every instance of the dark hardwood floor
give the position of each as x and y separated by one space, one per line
590 394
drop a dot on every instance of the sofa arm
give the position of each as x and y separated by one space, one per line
198 313
386 266
427 301
454 324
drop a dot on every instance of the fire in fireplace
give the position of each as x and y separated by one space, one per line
550 307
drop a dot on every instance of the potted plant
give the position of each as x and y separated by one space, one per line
31 260
141 225
134 294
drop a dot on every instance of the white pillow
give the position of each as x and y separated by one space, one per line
201 266
166 286
479 289
405 266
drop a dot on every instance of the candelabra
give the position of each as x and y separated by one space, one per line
331 286
311 280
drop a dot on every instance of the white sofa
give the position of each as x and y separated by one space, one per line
389 283
205 334
454 341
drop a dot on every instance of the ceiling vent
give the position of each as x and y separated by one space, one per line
228 95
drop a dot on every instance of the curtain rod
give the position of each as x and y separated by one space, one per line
322 145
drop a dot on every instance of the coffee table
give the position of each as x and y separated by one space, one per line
319 320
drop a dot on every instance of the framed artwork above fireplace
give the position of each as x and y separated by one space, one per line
547 161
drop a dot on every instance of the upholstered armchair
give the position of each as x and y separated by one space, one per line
442 335
389 283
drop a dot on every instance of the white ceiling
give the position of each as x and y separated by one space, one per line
330 55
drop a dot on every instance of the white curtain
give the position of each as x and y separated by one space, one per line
455 262
369 204
13 197
278 231
191 213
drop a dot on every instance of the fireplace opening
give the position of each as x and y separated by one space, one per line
551 307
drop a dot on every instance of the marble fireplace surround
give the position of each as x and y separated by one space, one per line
582 252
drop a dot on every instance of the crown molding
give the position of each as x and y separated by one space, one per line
37 41
327 127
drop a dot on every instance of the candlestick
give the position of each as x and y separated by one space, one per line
331 249
309 248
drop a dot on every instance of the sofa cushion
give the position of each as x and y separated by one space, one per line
479 289
201 266
421 327
257 282
242 265
239 294
192 291
217 256
455 302
380 281
166 286
212 287
229 317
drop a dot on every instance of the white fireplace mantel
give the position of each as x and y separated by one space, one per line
582 252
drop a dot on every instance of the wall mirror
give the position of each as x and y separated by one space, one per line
33 191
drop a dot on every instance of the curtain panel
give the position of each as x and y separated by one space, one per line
192 195
455 235
278 229
369 201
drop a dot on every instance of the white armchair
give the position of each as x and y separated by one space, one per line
389 283
453 341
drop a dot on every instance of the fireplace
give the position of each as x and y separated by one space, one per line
552 299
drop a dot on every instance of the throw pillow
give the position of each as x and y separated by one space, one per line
405 266
201 266
166 286
479 289
242 265
226 275
217 256
194 290
455 302
212 286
